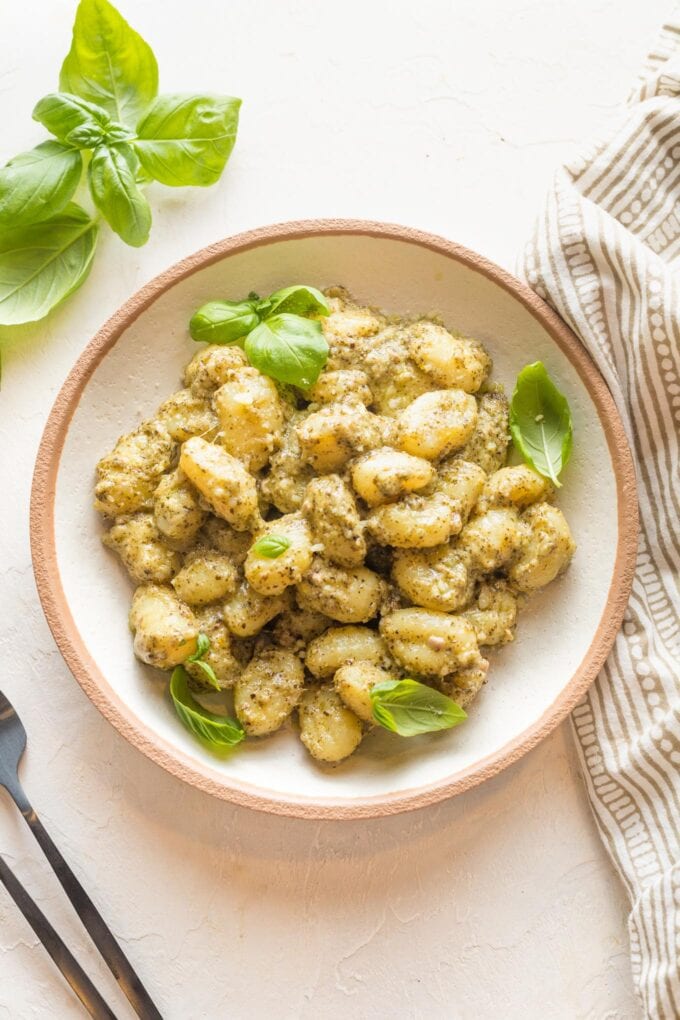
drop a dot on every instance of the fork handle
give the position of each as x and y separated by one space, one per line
62 956
113 955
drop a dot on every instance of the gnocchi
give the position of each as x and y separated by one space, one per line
430 643
250 416
347 594
331 510
141 548
310 544
354 683
165 629
222 656
268 690
450 361
207 576
328 728
272 576
340 645
176 509
387 474
228 489
437 423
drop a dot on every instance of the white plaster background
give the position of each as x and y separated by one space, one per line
447 115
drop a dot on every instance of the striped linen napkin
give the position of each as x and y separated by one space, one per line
606 255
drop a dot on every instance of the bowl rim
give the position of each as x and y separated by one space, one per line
199 774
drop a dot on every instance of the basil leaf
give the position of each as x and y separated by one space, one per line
202 647
223 322
288 348
41 264
87 137
217 731
540 422
116 194
109 63
65 116
299 300
187 139
38 183
209 674
407 707
271 546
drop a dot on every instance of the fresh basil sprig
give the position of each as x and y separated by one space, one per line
540 422
408 708
38 183
278 336
224 322
107 106
202 649
298 300
217 731
271 546
42 263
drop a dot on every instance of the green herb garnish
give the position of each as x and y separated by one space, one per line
279 338
408 708
217 731
224 322
271 546
540 422
109 110
202 649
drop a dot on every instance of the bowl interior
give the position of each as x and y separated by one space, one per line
144 366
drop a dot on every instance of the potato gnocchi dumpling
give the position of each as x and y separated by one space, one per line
331 509
385 475
207 576
546 549
285 483
488 444
416 522
177 510
223 656
141 548
225 485
186 414
451 361
354 683
340 645
165 629
272 575
328 728
268 690
127 477
251 417
430 643
327 540
343 384
247 611
210 368
439 578
493 614
331 436
347 594
437 423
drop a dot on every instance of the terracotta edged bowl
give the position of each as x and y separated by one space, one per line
135 361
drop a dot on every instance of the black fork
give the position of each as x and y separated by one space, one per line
12 746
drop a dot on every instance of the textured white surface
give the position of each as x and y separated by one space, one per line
502 902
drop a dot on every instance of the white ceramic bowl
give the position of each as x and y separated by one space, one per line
136 360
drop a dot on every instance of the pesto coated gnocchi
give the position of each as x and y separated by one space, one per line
292 549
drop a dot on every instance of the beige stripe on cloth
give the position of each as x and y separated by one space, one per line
606 255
